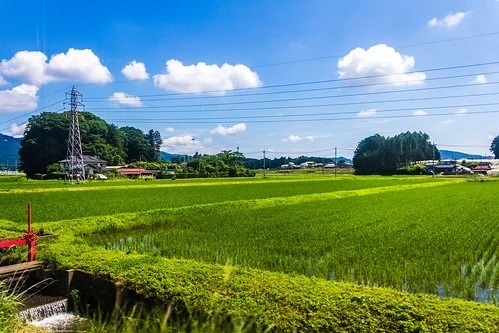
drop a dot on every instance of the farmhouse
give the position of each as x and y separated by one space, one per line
446 167
92 164
289 165
308 164
483 167
137 172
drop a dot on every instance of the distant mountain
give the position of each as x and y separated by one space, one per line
9 148
341 158
167 156
456 155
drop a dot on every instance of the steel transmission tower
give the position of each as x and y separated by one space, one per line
74 160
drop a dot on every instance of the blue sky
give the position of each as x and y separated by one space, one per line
288 77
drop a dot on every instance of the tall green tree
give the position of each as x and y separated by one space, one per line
369 155
46 135
135 144
494 147
44 142
154 142
378 155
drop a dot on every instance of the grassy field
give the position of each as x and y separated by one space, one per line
411 240
53 201
412 234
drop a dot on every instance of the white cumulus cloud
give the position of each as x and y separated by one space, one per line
310 138
182 144
480 79
366 113
419 113
449 21
135 71
17 131
222 130
2 80
292 138
125 99
28 66
170 130
379 64
78 65
20 98
461 111
75 65
202 77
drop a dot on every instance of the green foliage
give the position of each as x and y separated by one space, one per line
45 141
379 155
494 147
281 302
412 169
224 164
8 310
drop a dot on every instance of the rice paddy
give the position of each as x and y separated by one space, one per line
411 234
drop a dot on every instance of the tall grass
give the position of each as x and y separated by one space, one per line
8 310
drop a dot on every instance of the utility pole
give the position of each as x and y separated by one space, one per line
335 160
264 163
74 158
433 158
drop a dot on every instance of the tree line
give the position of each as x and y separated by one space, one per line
46 137
379 155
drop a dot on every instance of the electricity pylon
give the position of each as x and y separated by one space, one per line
74 160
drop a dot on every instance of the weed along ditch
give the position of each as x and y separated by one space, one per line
74 301
263 255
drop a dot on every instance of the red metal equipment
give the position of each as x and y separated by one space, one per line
29 238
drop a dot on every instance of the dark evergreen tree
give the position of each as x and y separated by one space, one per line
379 155
135 144
44 142
494 147
154 142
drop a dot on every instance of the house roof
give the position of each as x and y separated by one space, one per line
87 159
135 171
445 166
482 168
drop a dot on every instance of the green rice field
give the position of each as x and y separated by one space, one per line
413 234
417 240
403 232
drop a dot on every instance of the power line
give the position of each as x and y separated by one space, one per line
285 100
306 90
30 113
323 113
311 98
311 105
396 47
319 82
206 121
329 57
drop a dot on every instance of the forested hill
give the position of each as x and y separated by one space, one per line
456 155
9 148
